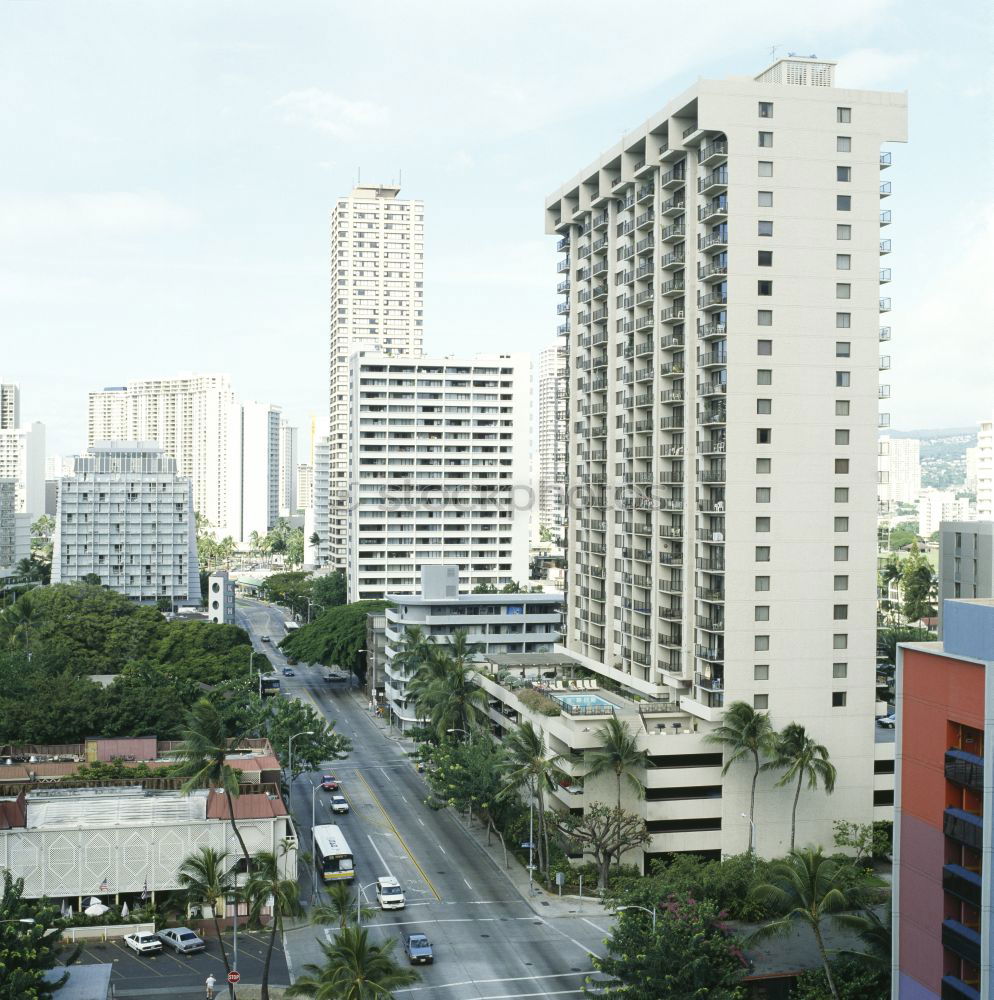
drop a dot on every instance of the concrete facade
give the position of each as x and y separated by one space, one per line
901 471
22 458
553 389
221 598
15 528
10 406
288 470
966 561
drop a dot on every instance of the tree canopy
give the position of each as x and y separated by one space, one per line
335 638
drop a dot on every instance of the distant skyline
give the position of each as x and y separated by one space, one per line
169 172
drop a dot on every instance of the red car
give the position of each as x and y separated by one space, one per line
329 783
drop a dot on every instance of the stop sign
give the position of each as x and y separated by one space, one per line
234 977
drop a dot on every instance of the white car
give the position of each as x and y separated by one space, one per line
389 893
339 804
886 721
182 940
143 944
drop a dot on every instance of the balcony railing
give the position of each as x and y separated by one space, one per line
885 160
962 883
885 189
713 150
961 940
966 769
885 246
963 827
885 305
885 217
953 988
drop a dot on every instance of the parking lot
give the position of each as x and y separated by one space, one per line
184 975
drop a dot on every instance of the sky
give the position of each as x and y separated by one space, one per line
168 169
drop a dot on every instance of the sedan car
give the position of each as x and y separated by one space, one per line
264 638
886 721
143 944
182 940
329 783
339 804
417 948
288 672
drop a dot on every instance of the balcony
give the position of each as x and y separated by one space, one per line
645 192
713 654
711 359
714 151
562 329
715 240
563 244
884 334
713 595
673 206
963 827
673 287
966 769
885 189
885 217
707 330
885 160
716 180
716 208
672 260
671 368
563 265
961 940
670 234
645 219
712 475
962 883
600 267
712 272
711 565
563 287
646 245
717 299
675 177
671 612
954 988
885 246
710 623
712 387
600 221
671 315
884 275
883 392
670 341
885 305
713 418
645 268
562 309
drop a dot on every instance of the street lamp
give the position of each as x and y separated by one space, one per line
19 920
358 902
752 832
314 877
306 732
456 729
311 603
644 909
251 658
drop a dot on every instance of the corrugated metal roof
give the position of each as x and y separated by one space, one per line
131 806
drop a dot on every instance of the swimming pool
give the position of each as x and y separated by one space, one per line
585 703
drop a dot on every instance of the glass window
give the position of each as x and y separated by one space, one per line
841 435
840 641
840 669
843 290
764 466
764 287
843 173
764 258
841 553
843 262
843 321
762 553
843 232
765 199
842 407
842 466
764 346
840 612
764 435
843 115
765 168
766 139
765 109
761 613
843 144
842 379
761 672
841 523
764 405
765 227
761 643
764 317
762 583
762 525
842 494
838 699
762 494
764 376
761 701
843 202
840 583
842 348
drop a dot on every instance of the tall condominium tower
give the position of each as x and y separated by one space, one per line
22 459
10 406
377 279
258 460
983 465
721 275
900 471
288 470
437 447
553 388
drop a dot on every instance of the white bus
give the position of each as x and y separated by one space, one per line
332 854
291 627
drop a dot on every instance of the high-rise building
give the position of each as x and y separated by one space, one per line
10 406
721 275
288 470
305 485
985 470
437 448
553 388
259 461
316 516
941 919
377 279
15 528
126 516
966 561
936 506
22 458
900 466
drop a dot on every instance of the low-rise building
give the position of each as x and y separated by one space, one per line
15 528
221 598
494 622
966 561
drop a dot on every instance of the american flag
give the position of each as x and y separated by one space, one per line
145 891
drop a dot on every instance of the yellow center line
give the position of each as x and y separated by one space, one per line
396 833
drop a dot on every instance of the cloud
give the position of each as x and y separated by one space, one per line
869 69
324 111
115 213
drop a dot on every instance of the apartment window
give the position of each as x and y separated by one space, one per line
843 173
765 168
838 699
762 554
843 144
843 232
843 115
842 524
762 494
766 140
764 376
765 199
841 466
760 701
764 346
761 672
843 321
840 669
764 317
764 405
843 203
842 348
764 288
764 466
761 613
842 407
842 380
762 525
765 109
761 643
840 640
764 435
842 494
843 262
764 258
762 583
841 553
840 583
843 290
841 435
765 227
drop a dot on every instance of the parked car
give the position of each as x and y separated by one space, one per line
182 940
417 948
329 783
339 804
389 893
264 638
143 944
886 721
288 672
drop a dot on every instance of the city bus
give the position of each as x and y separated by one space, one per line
269 686
291 627
332 854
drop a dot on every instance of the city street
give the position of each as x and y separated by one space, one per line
488 941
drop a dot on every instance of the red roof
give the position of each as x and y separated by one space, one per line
13 813
252 805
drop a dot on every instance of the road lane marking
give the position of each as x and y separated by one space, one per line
421 821
396 833
442 849
468 886
385 775
380 856
446 920
582 947
512 979
595 926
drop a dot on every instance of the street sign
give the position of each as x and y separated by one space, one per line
234 977
560 878
527 845
532 868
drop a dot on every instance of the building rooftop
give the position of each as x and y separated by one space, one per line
85 982
513 661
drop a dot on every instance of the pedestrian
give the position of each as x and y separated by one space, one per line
210 983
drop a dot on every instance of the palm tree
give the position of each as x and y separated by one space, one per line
443 689
255 540
266 885
745 734
528 763
340 907
207 877
17 621
798 756
876 934
202 757
619 753
807 887
354 969
413 649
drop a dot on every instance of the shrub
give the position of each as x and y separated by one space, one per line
538 702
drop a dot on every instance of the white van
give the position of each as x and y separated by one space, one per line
389 894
